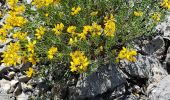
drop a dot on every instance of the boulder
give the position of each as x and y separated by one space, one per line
161 90
106 78
147 67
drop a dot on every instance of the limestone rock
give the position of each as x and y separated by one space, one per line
161 91
104 79
145 67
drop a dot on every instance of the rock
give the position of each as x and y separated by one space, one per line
4 86
22 96
118 93
11 74
5 96
26 88
104 79
155 47
18 90
25 66
147 67
167 60
164 27
13 84
3 68
161 91
24 79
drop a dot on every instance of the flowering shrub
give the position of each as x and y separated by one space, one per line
75 34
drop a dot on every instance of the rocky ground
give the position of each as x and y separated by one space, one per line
146 79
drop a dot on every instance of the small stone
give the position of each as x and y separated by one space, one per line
11 74
26 88
25 66
3 68
18 90
24 79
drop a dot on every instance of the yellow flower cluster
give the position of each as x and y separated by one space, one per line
12 55
15 21
30 72
58 28
44 3
75 10
12 3
31 52
71 30
156 16
137 13
79 62
40 32
20 36
86 30
51 52
96 29
166 4
110 26
127 54
31 46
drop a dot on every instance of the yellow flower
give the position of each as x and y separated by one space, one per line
138 13
86 29
32 58
12 19
71 30
79 62
30 72
58 28
166 4
46 14
73 41
156 16
19 9
30 46
110 26
42 3
40 32
51 52
20 36
127 54
96 29
12 55
12 3
75 10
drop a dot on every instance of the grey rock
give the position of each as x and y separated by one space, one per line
104 79
25 66
131 97
5 96
24 78
155 47
22 96
164 27
167 60
3 68
4 86
161 91
11 74
118 93
26 87
18 90
147 67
